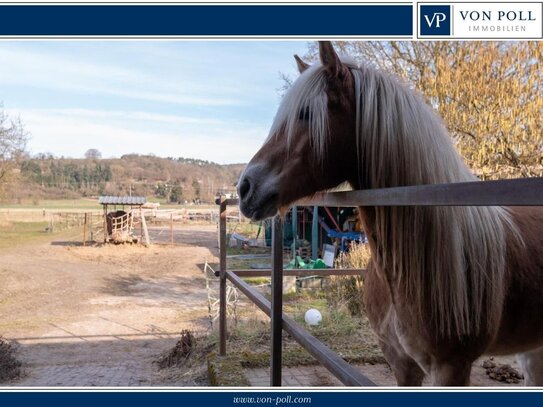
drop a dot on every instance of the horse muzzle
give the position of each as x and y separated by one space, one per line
258 196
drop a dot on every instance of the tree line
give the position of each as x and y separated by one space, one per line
70 175
175 180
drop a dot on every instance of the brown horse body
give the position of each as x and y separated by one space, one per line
446 284
413 350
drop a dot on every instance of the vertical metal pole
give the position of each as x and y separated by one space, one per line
315 233
277 302
222 281
294 230
304 221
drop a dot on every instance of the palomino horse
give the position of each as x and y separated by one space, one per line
446 284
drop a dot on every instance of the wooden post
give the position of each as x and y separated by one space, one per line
105 223
141 225
171 228
90 228
277 302
222 280
85 230
144 226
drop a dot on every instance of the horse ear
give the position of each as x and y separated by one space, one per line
302 66
329 58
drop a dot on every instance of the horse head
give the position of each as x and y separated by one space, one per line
311 142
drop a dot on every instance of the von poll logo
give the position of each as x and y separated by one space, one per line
435 20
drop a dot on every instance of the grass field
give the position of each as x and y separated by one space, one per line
84 204
19 233
56 204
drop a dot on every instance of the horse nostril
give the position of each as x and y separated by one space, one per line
244 188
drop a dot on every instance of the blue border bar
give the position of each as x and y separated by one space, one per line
206 20
263 399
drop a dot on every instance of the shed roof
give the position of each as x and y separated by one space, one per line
122 200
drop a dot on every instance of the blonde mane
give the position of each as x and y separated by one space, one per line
448 263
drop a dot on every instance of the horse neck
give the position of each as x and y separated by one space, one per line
440 266
425 252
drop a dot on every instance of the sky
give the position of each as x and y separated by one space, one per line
211 100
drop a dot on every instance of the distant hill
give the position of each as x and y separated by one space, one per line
171 179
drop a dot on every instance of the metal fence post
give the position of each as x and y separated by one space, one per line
294 230
277 302
222 279
315 234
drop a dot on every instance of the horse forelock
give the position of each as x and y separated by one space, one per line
307 92
449 263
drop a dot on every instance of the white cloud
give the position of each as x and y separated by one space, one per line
209 100
60 72
118 114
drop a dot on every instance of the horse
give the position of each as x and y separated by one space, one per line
445 285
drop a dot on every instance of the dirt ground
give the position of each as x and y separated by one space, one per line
383 376
101 315
380 374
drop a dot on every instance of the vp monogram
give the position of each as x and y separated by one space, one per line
437 18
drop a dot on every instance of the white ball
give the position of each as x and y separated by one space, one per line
313 317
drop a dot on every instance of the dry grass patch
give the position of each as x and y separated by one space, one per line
347 292
10 367
248 344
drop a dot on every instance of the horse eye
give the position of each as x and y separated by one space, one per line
304 114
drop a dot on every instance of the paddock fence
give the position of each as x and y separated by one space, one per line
86 225
165 226
515 192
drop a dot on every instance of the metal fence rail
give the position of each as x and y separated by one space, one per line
517 192
510 192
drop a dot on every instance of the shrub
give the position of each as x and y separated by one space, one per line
347 291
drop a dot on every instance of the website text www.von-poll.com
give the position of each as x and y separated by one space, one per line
276 401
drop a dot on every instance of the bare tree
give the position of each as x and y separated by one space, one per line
13 139
488 93
93 154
